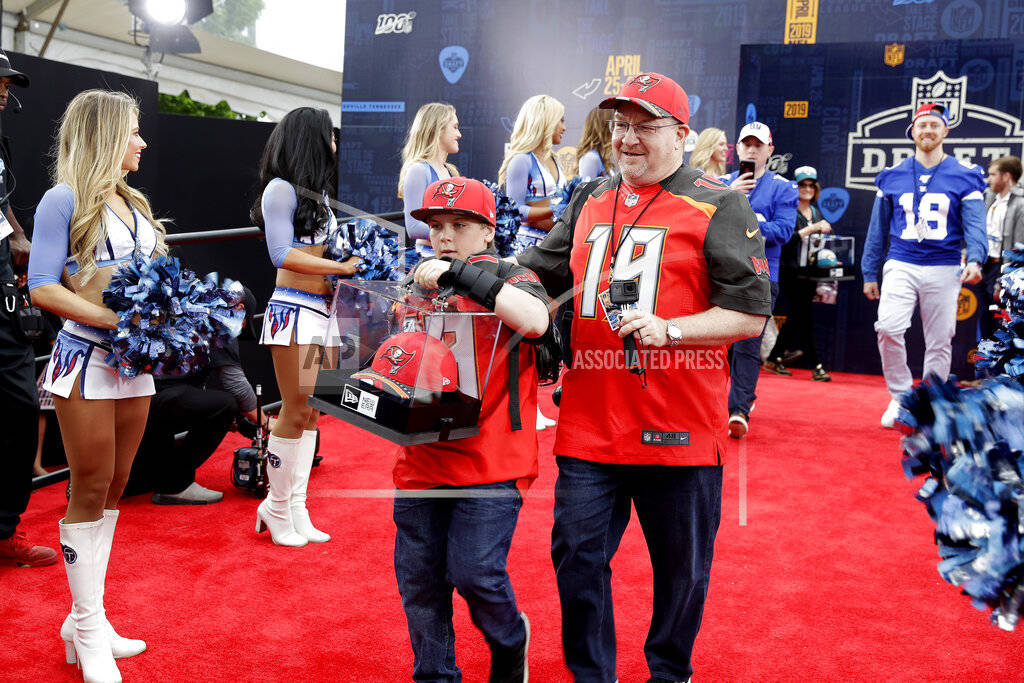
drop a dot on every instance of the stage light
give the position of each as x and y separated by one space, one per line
167 22
166 11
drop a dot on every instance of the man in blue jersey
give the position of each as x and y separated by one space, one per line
927 206
774 200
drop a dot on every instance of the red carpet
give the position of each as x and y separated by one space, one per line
831 578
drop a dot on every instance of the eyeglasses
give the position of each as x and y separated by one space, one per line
642 130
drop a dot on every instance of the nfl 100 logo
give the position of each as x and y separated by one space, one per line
977 134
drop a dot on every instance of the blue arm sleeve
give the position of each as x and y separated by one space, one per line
279 203
874 245
516 175
50 237
412 194
591 166
780 228
972 213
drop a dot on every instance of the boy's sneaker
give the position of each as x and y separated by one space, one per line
820 374
738 425
509 665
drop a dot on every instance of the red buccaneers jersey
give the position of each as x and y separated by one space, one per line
497 453
693 245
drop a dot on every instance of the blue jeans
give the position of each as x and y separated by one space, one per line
679 509
455 542
745 365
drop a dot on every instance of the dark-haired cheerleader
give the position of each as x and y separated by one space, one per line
298 175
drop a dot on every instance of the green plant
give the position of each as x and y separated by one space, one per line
184 104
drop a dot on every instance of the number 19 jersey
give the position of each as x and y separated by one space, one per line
691 244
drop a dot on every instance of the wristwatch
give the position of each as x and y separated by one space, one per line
675 335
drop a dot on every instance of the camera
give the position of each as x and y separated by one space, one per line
624 292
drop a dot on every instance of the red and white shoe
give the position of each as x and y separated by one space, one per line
738 426
20 551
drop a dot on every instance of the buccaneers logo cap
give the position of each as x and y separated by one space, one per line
457 195
409 362
657 94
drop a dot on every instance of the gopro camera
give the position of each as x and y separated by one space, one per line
624 292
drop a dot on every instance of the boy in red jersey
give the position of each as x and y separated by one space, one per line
458 501
693 253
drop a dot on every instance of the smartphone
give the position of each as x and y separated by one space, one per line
747 167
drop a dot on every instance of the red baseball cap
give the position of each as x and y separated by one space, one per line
411 361
657 94
457 195
928 109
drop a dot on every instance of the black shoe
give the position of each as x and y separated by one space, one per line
790 356
777 367
820 374
509 665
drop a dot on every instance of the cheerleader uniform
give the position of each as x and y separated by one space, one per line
293 316
591 166
80 352
417 178
528 180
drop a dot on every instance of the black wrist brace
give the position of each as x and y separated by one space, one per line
476 283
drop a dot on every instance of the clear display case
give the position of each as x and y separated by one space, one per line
828 256
412 365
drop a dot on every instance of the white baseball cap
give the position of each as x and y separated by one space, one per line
758 130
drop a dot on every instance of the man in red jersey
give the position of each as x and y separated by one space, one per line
693 248
458 501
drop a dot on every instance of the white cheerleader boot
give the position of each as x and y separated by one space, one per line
80 545
274 512
120 647
300 480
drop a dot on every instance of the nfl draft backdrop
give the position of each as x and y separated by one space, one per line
486 57
844 109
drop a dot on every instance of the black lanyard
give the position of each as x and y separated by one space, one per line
626 230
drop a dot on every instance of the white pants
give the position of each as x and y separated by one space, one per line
936 289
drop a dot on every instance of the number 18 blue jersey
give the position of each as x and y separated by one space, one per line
927 213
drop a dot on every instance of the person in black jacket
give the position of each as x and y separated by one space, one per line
796 338
19 401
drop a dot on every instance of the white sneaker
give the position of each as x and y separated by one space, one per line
890 414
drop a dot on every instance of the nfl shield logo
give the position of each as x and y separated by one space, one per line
894 54
941 89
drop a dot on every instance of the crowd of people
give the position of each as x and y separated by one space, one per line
639 215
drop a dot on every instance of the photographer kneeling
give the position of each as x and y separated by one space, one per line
204 404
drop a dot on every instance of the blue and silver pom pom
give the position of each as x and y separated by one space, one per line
561 200
169 318
969 443
378 247
506 220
